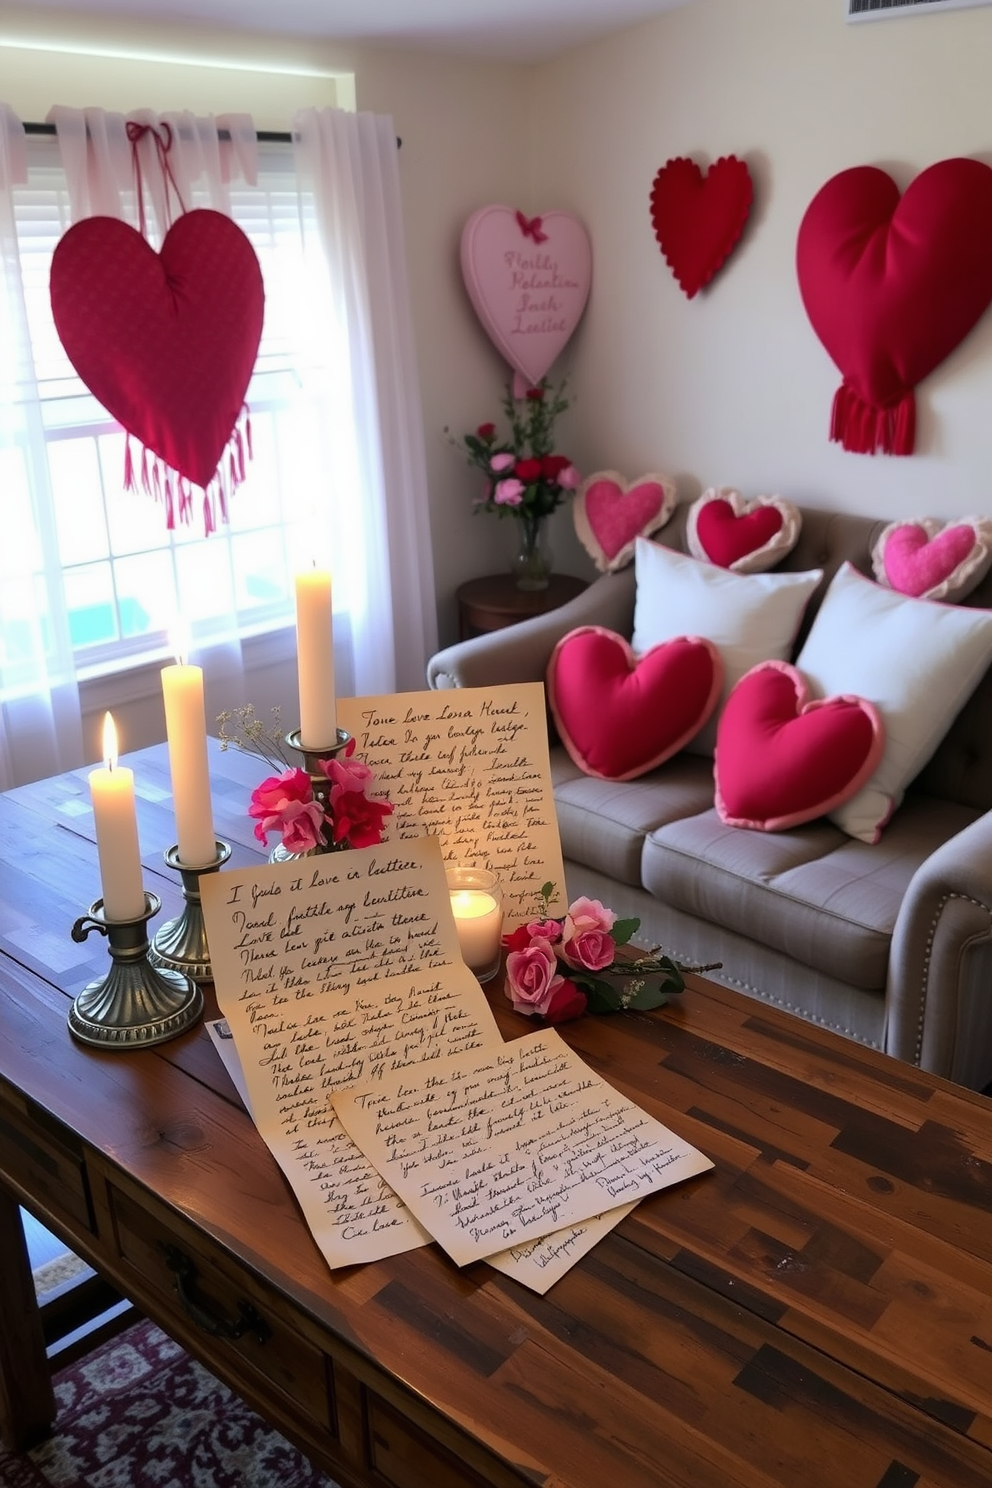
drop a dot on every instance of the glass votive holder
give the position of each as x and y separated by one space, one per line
477 905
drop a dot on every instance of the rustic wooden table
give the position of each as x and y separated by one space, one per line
494 601
817 1309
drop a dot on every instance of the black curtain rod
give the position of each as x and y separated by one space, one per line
264 136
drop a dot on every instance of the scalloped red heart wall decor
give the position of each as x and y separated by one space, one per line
698 219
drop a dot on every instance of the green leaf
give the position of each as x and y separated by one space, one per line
602 997
648 997
624 929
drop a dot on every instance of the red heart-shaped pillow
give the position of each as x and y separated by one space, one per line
746 536
781 759
619 717
934 560
166 341
610 514
891 285
698 219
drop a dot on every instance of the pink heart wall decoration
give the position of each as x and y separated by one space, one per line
891 285
611 514
528 279
166 341
698 219
933 560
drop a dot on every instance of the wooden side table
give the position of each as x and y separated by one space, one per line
494 601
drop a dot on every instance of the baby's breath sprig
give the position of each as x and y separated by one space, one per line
242 728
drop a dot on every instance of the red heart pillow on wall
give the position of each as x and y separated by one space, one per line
697 218
891 286
166 341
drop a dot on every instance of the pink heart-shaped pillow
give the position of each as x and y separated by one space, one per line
934 560
782 759
619 717
891 285
528 279
166 341
697 218
611 514
746 536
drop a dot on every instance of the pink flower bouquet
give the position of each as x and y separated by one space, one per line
524 475
557 969
286 803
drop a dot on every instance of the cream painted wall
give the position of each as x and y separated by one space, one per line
733 387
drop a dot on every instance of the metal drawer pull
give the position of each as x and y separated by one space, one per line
210 1319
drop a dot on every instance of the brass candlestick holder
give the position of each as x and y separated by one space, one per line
181 943
321 787
135 1004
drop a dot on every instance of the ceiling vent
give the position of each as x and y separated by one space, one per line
877 10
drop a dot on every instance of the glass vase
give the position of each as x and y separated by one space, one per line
532 564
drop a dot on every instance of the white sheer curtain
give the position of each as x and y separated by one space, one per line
346 165
40 727
204 156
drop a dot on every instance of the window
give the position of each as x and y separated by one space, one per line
125 576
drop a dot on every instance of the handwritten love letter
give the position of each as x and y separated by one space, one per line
492 1149
471 766
331 971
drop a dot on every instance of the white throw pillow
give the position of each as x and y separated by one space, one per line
916 660
748 617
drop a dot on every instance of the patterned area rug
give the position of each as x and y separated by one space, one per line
140 1413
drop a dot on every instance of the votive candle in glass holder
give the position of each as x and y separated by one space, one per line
477 905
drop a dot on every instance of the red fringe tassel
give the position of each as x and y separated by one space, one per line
867 430
173 490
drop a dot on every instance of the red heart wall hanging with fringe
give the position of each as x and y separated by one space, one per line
166 341
891 286
698 218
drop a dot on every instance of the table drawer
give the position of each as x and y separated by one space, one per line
43 1158
405 1457
235 1313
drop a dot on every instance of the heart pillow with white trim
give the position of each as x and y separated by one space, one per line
618 716
745 536
611 514
934 560
783 758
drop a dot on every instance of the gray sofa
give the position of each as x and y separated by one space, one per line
889 944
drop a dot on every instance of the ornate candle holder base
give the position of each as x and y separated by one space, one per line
181 944
135 1004
321 787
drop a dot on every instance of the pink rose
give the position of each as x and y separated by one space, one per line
530 974
501 462
566 1002
271 800
508 492
586 940
300 823
569 479
549 930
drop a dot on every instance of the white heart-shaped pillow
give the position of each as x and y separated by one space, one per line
528 279
934 560
612 513
745 536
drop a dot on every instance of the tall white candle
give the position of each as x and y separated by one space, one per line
186 728
112 793
315 659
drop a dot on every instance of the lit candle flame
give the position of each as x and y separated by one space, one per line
179 642
109 741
